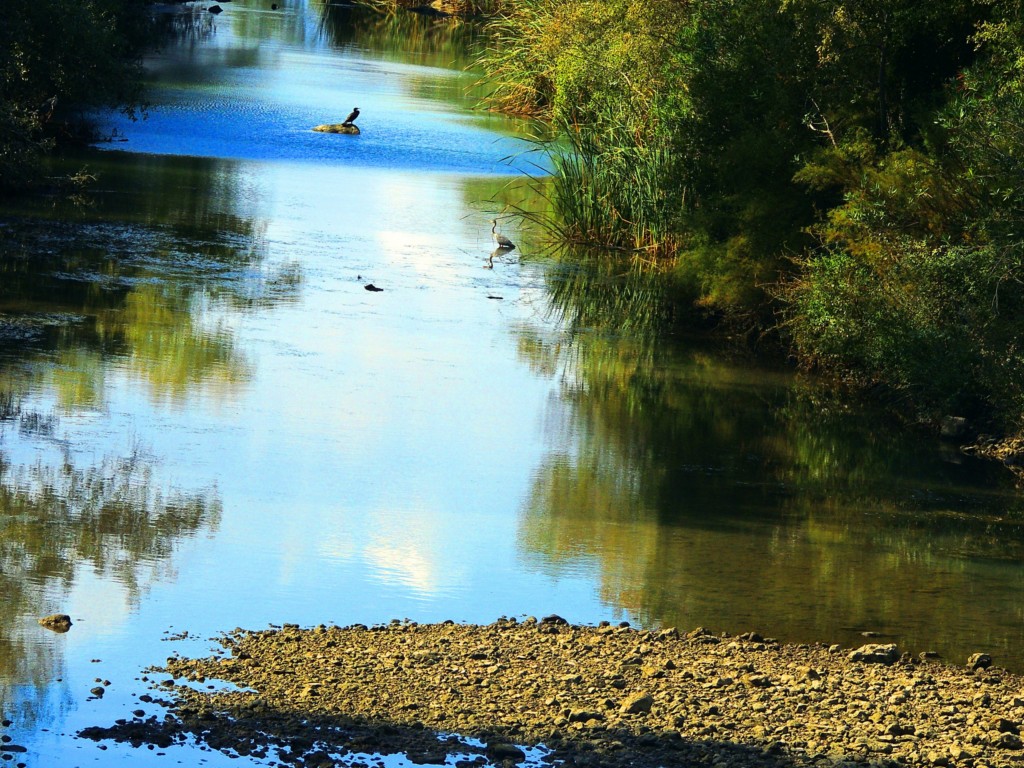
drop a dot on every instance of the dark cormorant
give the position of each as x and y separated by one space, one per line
351 116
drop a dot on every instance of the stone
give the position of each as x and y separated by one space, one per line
503 751
876 653
979 661
808 673
1003 725
56 622
1006 741
756 681
960 753
554 618
349 128
638 703
215 9
583 716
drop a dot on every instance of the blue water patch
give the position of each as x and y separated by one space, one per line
268 112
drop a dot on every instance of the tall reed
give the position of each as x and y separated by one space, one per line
616 185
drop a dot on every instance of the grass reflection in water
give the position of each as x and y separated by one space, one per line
707 492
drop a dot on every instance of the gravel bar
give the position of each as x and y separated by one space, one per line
548 692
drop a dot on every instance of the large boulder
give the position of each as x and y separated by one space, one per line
876 653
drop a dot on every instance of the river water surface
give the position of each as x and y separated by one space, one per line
207 421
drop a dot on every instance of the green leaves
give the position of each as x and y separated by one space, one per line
58 58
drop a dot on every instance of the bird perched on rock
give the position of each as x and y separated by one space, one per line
500 239
351 116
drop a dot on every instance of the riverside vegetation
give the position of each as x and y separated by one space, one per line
58 60
841 177
577 695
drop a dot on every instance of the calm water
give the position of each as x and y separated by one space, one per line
207 422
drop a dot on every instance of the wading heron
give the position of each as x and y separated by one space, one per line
500 239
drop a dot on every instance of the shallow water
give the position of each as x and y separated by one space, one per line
210 423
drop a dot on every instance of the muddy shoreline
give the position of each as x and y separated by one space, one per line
580 695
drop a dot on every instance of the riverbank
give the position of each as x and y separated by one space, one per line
606 695
1009 451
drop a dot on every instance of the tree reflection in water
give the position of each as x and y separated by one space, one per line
59 521
707 492
91 297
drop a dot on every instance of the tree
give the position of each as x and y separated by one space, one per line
59 58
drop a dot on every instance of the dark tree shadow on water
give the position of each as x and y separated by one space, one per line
296 738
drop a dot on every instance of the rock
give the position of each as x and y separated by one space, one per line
502 751
875 653
426 757
583 716
960 753
215 9
979 661
98 691
1002 725
554 618
372 288
56 622
808 673
637 704
1006 741
349 128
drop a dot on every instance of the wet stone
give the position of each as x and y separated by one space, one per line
56 622
979 661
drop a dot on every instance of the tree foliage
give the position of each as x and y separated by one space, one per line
58 59
849 167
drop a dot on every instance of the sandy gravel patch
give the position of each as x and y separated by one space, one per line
602 696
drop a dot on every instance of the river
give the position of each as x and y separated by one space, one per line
207 420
